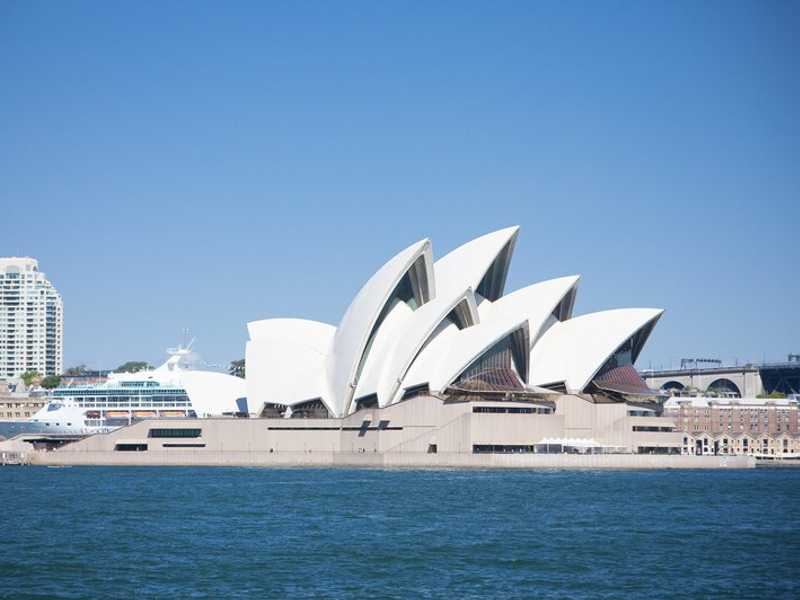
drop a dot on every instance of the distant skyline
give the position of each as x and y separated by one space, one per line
202 165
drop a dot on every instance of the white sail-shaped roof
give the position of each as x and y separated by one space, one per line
213 393
480 264
536 302
443 360
393 328
418 331
453 350
314 334
571 352
359 325
285 362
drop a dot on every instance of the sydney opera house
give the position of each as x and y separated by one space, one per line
433 363
426 341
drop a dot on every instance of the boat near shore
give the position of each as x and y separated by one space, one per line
178 389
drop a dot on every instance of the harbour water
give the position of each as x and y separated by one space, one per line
161 532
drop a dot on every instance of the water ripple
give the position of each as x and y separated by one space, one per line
92 532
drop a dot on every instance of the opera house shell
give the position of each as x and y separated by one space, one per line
446 328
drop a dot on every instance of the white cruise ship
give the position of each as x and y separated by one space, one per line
176 389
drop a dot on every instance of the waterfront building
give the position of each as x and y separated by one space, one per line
755 426
422 430
780 446
446 330
16 402
31 320
433 363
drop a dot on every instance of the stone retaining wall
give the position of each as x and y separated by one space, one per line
400 460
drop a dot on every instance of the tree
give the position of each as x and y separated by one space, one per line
237 368
76 371
50 382
133 366
29 377
773 395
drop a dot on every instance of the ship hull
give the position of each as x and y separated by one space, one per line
9 429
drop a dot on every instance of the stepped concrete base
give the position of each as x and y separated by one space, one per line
421 432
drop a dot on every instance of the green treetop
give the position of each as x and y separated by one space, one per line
50 382
29 376
237 368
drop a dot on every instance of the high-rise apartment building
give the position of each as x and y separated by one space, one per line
31 320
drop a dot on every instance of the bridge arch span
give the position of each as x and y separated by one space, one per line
723 386
673 386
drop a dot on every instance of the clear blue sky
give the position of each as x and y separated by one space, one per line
201 165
